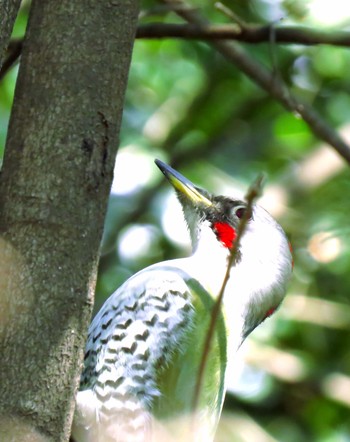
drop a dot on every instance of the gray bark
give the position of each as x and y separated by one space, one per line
54 186
8 13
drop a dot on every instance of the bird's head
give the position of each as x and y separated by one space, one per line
263 261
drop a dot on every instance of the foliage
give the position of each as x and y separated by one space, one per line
187 104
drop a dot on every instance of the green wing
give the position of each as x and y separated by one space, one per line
177 379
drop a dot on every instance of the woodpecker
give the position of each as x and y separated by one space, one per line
145 345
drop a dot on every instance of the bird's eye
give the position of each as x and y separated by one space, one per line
240 212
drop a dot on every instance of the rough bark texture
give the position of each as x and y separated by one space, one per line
54 187
8 13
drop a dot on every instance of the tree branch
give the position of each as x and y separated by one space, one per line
252 34
249 34
269 82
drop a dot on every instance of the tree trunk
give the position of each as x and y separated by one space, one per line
8 13
54 187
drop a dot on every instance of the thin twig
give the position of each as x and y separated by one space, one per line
253 192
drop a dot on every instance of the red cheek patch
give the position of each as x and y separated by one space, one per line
225 233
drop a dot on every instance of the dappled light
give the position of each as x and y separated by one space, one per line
337 387
173 224
133 170
324 247
322 312
281 364
323 13
137 241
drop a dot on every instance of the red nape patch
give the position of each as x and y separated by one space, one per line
225 233
270 312
291 252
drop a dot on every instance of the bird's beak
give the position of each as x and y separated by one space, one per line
183 185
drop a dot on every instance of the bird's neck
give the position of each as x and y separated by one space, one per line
208 263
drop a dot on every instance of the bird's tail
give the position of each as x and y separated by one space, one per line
113 419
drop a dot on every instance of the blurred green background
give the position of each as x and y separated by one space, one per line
188 106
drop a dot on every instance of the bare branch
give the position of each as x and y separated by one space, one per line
269 82
252 34
249 34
